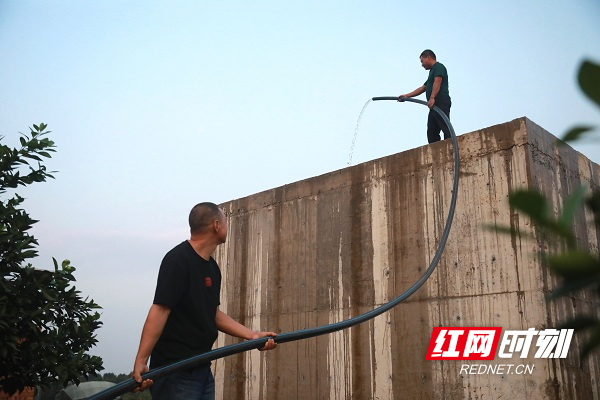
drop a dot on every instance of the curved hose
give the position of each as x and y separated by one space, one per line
130 384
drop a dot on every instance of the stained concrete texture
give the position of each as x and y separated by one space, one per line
334 246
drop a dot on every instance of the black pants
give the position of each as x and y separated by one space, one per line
435 123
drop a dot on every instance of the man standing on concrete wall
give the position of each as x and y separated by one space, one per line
437 93
185 317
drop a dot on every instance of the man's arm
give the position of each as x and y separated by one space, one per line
153 327
228 325
416 92
437 84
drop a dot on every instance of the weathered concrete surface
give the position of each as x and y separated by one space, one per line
334 246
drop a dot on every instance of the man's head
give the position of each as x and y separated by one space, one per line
427 58
208 218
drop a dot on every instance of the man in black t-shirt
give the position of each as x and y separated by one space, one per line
185 318
437 93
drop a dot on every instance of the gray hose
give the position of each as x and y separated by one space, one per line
130 384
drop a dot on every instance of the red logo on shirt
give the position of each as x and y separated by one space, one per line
207 281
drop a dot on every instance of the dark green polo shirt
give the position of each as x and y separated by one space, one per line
438 69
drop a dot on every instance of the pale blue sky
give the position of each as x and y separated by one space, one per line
158 105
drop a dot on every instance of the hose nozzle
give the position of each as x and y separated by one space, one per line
385 98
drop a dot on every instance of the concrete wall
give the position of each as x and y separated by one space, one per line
334 246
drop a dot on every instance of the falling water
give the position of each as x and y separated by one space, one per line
356 131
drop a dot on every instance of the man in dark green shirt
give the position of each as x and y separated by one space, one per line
436 92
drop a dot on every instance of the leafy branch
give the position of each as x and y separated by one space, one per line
46 326
577 269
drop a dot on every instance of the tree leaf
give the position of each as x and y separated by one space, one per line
578 323
574 264
575 133
572 205
531 203
589 80
570 286
593 202
593 341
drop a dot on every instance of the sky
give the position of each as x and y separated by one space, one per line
158 105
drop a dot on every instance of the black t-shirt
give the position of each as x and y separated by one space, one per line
190 286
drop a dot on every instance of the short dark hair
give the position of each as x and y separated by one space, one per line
428 53
202 215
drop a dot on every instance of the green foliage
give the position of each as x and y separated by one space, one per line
46 327
535 205
576 133
589 82
578 269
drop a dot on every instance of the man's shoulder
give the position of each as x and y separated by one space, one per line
438 67
179 250
182 246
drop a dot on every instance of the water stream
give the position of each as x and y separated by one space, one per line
356 131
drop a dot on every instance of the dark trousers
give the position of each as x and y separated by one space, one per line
435 122
191 384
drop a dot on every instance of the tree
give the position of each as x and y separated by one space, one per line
578 269
46 327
